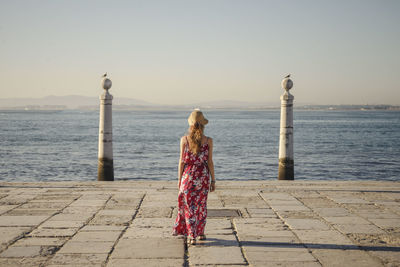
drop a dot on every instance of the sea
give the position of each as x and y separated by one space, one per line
328 145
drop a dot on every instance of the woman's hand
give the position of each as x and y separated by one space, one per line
212 186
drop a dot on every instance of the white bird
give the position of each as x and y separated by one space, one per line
105 75
288 76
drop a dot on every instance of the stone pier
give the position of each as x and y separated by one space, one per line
250 223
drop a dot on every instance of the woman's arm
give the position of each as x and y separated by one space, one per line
180 166
211 164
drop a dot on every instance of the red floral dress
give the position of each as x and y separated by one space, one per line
193 192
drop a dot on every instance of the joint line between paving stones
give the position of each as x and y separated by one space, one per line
124 230
21 236
70 237
282 219
233 225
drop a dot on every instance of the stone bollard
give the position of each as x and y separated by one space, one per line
106 162
286 163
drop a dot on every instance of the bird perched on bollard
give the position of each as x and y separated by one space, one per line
105 75
288 76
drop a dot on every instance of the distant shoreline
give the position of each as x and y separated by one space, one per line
216 108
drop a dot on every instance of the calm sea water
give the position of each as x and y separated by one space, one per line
62 145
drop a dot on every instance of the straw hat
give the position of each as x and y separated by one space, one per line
197 116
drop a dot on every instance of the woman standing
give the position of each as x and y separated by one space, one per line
195 167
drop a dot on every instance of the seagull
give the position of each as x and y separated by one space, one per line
288 76
105 74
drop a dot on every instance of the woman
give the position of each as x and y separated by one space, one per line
195 167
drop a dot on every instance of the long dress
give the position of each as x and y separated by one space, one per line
193 192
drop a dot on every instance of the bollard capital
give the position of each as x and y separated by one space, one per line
106 83
287 84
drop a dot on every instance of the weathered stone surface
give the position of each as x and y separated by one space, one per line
80 217
145 262
386 223
62 224
111 220
371 208
9 234
21 252
41 241
148 248
150 231
359 229
155 212
55 232
21 220
86 247
79 259
328 238
276 256
5 208
25 262
215 255
347 220
340 258
98 236
32 212
91 228
332 212
306 224
290 208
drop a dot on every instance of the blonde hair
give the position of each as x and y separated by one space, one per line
195 135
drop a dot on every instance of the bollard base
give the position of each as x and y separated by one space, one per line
105 170
286 169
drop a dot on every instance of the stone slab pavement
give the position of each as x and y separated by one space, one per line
250 223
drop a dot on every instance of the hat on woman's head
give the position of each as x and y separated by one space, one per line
197 116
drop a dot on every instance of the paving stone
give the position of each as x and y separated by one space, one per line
91 228
9 234
215 255
98 236
44 205
55 232
143 232
344 200
32 212
148 248
110 220
79 217
332 212
386 223
347 220
145 262
290 208
218 241
155 212
40 241
76 247
276 256
359 229
79 259
62 224
87 203
340 258
25 262
285 264
21 252
5 208
116 212
306 224
21 220
328 238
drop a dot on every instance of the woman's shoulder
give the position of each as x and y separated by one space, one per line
208 139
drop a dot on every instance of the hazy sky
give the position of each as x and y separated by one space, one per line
173 52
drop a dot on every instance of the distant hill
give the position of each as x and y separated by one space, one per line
69 101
